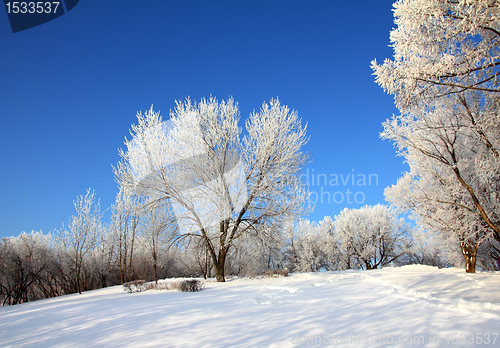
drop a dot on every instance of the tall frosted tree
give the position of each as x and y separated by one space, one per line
156 226
125 216
312 247
444 77
82 234
219 184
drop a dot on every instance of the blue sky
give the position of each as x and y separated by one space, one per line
71 88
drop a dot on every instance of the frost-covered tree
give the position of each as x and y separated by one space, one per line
27 269
220 185
103 258
489 256
312 246
371 237
455 148
441 206
125 216
82 234
156 225
431 249
365 238
444 79
268 249
195 258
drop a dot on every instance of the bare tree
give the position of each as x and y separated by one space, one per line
195 258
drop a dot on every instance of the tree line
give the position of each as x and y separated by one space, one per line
137 244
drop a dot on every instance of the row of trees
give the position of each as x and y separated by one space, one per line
444 77
139 244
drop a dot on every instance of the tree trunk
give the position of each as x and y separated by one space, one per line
219 273
155 264
122 275
469 252
219 266
130 258
77 275
205 273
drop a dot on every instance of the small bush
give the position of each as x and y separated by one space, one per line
274 273
151 286
136 286
278 273
190 285
184 285
164 285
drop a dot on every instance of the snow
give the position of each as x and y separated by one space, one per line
371 308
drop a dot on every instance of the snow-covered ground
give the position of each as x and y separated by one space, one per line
411 306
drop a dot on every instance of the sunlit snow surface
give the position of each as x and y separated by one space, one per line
335 309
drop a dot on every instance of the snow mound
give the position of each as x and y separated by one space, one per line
449 288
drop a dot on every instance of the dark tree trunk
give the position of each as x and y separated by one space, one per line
469 252
77 276
104 283
219 273
219 266
155 267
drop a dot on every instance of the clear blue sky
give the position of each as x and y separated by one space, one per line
70 89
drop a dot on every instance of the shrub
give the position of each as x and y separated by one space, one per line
274 273
190 285
184 285
277 273
136 286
